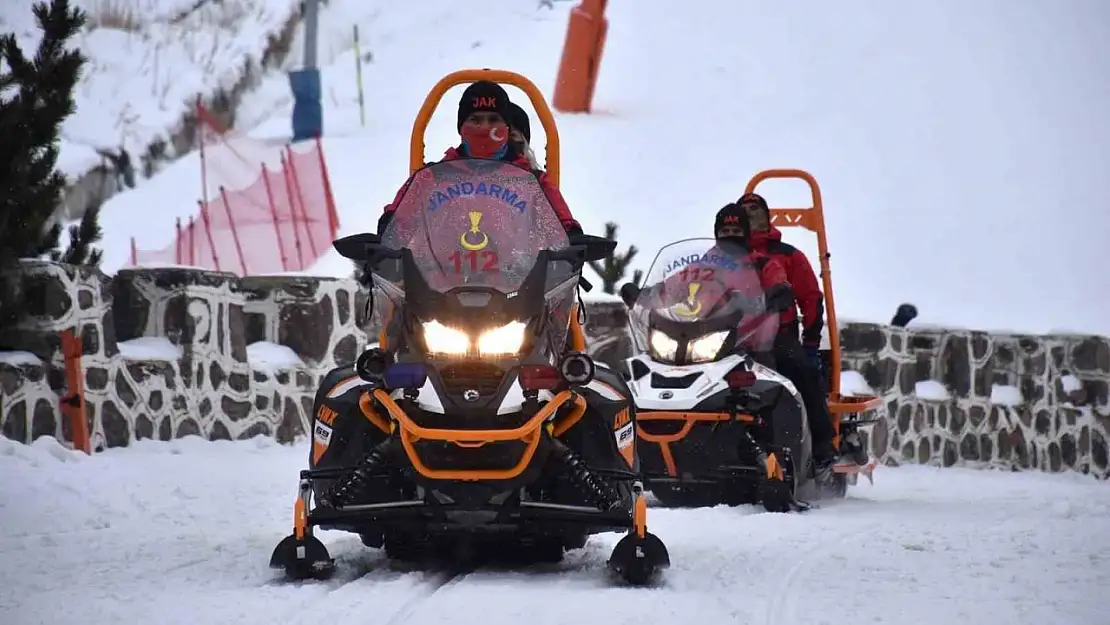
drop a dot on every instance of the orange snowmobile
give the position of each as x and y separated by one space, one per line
472 424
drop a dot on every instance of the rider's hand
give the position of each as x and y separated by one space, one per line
813 356
779 298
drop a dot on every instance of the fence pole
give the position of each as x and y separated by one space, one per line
292 211
134 253
358 82
304 211
192 241
208 232
177 243
200 141
234 230
73 403
274 216
333 214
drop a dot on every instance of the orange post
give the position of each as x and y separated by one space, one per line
586 31
73 403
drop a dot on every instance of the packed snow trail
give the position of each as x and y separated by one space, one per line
181 532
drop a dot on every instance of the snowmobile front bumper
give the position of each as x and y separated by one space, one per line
637 557
467 518
708 458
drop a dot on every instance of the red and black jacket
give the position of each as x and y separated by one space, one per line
803 281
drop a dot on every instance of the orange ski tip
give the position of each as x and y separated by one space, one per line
774 469
639 516
300 518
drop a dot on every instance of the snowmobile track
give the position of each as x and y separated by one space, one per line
782 609
439 581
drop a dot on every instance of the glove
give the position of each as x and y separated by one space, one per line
779 298
813 357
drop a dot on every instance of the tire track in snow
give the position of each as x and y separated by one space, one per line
357 589
414 603
783 607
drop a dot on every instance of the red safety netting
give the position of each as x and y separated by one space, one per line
255 217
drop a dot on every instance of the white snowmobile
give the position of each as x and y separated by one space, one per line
715 423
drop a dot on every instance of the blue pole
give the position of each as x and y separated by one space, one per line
308 113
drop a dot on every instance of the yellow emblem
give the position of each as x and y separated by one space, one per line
464 239
692 306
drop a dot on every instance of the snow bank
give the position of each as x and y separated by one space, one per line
147 62
271 357
17 359
1005 395
931 390
149 348
853 384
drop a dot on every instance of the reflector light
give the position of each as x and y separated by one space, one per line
539 378
740 379
405 375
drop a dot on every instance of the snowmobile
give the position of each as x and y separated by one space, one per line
471 422
716 424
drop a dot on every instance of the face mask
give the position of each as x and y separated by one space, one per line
486 142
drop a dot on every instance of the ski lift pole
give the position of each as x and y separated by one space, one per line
358 80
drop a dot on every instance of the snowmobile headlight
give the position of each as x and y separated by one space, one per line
705 348
663 347
508 339
441 339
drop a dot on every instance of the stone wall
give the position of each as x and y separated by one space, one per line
168 353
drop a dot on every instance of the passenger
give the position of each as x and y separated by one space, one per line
520 134
797 359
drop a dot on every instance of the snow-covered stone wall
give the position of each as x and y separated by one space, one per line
173 351
960 397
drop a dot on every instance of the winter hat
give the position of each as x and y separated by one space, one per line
732 215
754 198
518 118
483 96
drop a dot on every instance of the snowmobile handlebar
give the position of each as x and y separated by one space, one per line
503 77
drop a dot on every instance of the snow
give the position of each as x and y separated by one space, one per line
149 348
1070 383
601 297
930 390
852 384
1006 395
936 156
19 359
271 357
181 532
147 62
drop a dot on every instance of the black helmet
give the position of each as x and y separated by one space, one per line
518 118
732 215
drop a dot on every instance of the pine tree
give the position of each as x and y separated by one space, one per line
616 266
36 96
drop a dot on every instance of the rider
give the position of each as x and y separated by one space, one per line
731 225
484 111
520 133
798 361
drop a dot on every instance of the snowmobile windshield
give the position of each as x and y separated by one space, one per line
477 223
701 296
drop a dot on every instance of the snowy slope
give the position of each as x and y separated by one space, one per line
956 159
181 532
147 62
